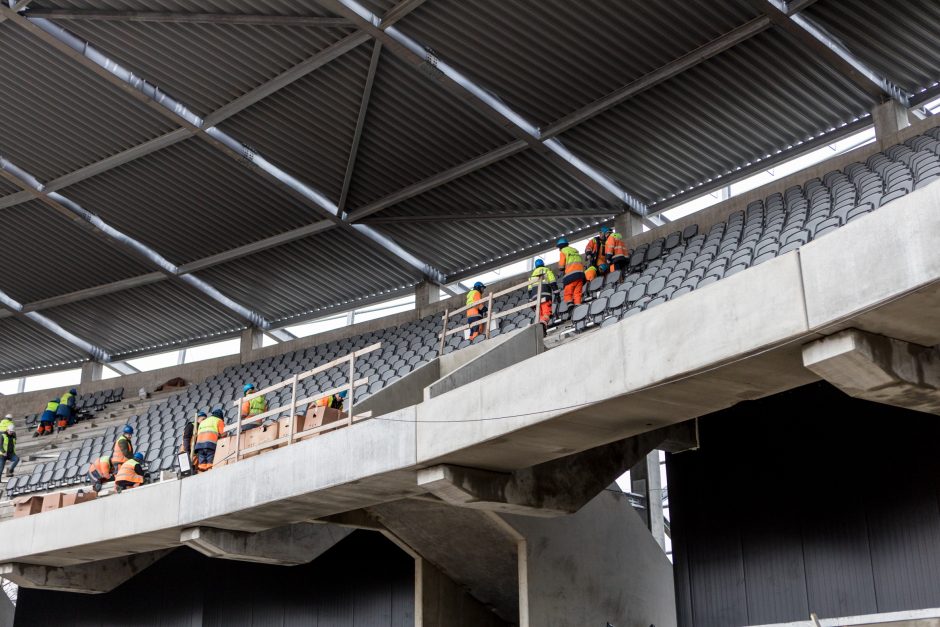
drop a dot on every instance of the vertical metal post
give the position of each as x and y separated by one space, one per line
293 413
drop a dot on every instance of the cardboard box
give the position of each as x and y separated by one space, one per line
260 435
51 501
73 498
319 416
224 452
26 506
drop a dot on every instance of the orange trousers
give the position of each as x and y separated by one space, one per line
545 311
573 291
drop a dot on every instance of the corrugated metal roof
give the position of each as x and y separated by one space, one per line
7 189
703 123
205 65
898 39
154 316
26 346
308 126
548 58
414 129
45 254
189 201
255 7
60 116
310 274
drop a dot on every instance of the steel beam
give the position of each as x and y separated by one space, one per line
814 38
360 123
95 352
94 292
508 214
188 18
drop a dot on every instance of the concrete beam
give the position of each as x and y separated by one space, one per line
288 546
555 488
90 578
878 368
889 118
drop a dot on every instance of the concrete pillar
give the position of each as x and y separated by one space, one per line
91 371
889 118
878 368
426 293
646 480
628 224
89 578
289 545
251 341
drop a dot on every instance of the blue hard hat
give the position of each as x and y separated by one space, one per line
217 412
539 263
248 386
128 429
343 393
605 229
478 286
139 457
73 391
561 242
603 268
201 413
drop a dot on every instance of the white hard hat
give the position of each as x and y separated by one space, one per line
9 417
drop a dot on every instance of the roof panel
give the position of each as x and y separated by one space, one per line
51 256
311 274
702 124
256 7
205 65
307 127
145 318
546 59
27 346
189 201
415 128
63 116
897 39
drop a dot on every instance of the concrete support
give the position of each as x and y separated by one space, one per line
646 480
288 546
426 293
252 338
599 566
90 578
628 224
92 371
889 118
878 368
554 488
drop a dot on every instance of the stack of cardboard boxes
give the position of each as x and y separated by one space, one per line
315 417
29 505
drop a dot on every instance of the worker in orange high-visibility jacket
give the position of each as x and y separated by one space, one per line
476 313
99 471
594 251
616 252
123 448
544 275
208 432
571 269
590 274
334 401
130 474
253 407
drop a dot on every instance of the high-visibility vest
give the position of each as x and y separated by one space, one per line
590 274
128 472
103 466
474 296
9 445
117 457
256 405
615 248
570 261
64 399
210 430
5 424
594 248
52 406
335 401
539 274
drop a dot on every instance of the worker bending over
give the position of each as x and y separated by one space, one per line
65 412
99 471
8 450
208 432
333 401
476 313
253 407
616 252
123 448
47 418
594 251
544 275
6 423
130 474
571 268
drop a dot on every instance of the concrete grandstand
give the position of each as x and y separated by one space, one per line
180 172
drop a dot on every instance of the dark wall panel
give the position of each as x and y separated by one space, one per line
364 581
808 501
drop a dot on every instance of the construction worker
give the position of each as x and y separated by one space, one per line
66 409
616 252
123 448
99 471
257 405
6 423
590 274
334 401
8 450
47 418
130 474
595 249
476 313
571 268
208 432
544 275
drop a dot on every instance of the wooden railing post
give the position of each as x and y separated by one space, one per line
238 428
489 314
444 332
293 413
351 384
538 299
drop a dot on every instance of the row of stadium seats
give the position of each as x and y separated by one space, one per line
89 402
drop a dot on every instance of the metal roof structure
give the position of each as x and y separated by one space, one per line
174 171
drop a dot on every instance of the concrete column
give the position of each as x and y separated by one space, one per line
426 293
646 480
91 371
889 118
628 224
251 341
